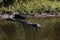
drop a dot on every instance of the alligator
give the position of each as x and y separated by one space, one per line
15 17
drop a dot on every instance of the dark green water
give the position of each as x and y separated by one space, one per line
16 31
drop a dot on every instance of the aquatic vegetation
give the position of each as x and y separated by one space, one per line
33 6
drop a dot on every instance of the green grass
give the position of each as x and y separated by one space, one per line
34 6
16 31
